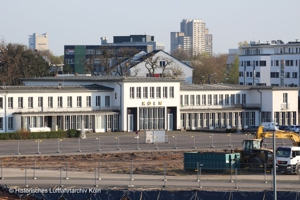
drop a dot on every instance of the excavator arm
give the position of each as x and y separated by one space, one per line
294 137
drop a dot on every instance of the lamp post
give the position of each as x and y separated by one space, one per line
230 145
212 141
175 142
99 149
58 145
194 140
38 142
137 143
118 138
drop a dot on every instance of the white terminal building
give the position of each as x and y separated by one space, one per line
104 104
273 63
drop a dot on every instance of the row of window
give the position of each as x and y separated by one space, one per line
274 63
276 50
30 102
212 99
261 63
272 74
151 92
286 75
249 74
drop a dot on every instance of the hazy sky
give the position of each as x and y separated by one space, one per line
83 22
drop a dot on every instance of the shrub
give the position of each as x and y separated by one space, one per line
230 130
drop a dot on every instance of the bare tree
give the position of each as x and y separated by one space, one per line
153 63
209 69
180 54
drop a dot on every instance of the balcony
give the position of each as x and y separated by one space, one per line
285 106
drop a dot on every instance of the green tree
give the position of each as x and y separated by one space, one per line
233 72
17 61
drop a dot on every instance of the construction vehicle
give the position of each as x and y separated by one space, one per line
254 156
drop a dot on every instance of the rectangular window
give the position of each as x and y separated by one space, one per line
79 102
244 99
238 98
285 97
215 99
88 101
59 102
274 75
10 102
262 63
1 102
132 92
241 74
295 75
221 99
232 99
98 101
198 100
192 97
50 102
165 92
287 74
40 102
30 102
257 74
162 63
20 102
171 93
69 101
138 92
209 99
226 99
181 100
186 100
152 92
158 92
145 92
10 123
107 101
1 123
203 99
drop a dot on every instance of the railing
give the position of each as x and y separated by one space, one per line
285 106
254 105
66 109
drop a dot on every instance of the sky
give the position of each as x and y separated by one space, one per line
83 22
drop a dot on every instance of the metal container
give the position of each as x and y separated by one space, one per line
211 160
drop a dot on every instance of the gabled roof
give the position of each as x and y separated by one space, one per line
151 54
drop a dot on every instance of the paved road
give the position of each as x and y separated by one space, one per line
47 178
124 142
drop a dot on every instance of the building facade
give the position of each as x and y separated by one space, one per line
199 38
272 63
38 42
104 104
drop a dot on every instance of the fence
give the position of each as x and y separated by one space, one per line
137 174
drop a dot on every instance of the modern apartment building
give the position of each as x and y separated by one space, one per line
38 42
273 63
76 55
199 38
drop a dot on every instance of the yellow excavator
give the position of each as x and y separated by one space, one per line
254 155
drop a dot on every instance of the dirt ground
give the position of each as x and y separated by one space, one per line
142 162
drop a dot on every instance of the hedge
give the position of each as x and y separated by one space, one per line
231 130
24 134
